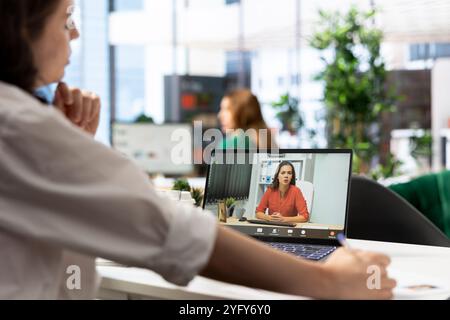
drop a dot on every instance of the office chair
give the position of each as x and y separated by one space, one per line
377 213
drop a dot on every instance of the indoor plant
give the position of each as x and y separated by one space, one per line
288 113
355 91
230 204
181 185
197 195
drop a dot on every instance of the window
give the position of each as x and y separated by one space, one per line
129 82
239 65
426 51
89 68
253 48
128 5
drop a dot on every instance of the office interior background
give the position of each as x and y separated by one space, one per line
141 55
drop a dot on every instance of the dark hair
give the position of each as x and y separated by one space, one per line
21 22
276 184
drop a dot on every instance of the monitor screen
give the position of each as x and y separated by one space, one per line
308 190
165 149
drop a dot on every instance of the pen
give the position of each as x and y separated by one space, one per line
343 241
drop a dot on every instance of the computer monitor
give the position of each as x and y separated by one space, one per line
193 98
157 149
322 178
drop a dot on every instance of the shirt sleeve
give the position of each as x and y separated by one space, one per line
300 204
264 204
61 187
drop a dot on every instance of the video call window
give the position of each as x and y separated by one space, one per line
315 202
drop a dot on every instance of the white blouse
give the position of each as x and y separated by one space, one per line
66 199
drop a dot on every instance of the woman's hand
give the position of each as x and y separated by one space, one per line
356 274
276 217
82 108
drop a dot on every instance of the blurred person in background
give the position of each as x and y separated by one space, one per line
242 122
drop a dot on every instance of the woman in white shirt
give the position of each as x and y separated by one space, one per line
66 199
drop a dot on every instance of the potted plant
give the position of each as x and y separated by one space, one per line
230 204
143 118
355 79
197 195
288 113
421 150
181 185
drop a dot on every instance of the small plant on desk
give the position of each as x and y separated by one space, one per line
230 203
181 185
197 195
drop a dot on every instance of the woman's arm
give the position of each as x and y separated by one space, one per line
262 216
263 205
244 261
302 208
78 195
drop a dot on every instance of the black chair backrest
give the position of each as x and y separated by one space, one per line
377 213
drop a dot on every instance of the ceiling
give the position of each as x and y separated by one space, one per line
274 23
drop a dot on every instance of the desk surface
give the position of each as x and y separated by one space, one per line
167 183
130 283
408 262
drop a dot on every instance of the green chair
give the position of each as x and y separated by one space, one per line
430 195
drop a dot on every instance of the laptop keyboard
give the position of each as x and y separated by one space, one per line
309 252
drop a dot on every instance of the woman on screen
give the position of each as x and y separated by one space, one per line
284 200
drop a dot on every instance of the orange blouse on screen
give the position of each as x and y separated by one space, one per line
292 205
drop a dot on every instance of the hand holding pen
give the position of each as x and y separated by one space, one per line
350 268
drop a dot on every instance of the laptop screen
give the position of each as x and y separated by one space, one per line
291 194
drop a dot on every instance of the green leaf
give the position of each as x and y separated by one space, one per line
181 185
356 92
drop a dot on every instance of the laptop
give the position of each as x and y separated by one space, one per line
243 178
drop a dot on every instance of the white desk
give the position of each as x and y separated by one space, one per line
167 183
120 283
408 262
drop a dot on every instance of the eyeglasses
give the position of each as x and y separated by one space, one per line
72 15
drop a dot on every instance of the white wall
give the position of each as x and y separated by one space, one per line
331 175
440 106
